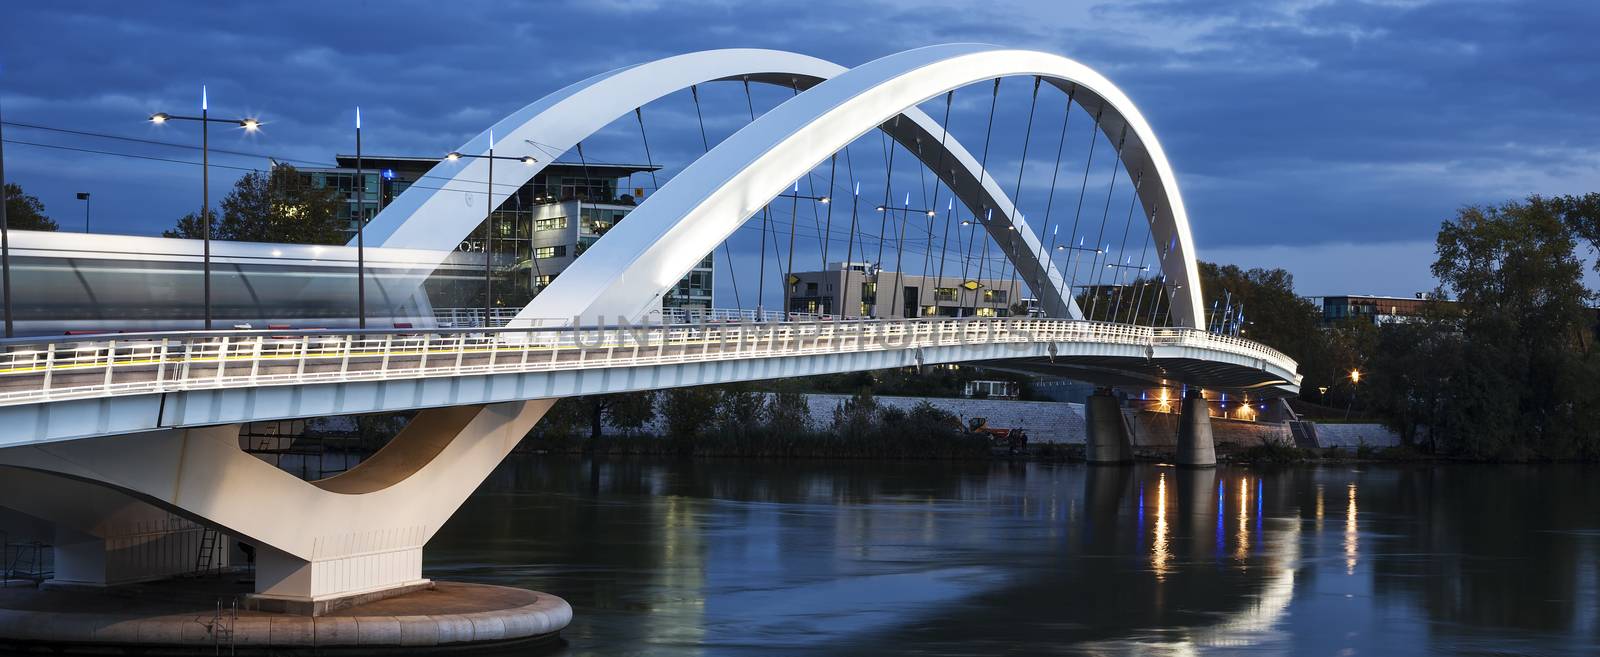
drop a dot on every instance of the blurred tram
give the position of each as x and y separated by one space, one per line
67 282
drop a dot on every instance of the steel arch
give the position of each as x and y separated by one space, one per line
625 274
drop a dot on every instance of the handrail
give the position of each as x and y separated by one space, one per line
40 369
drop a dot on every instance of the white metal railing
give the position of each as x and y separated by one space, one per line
47 369
473 317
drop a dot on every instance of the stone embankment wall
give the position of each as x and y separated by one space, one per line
1354 435
1051 422
1045 422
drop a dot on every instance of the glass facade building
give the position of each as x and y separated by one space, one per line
538 229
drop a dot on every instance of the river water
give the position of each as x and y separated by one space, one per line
728 557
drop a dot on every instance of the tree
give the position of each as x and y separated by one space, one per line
278 206
688 411
25 211
1522 385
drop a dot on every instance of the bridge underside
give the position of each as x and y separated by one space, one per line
1154 373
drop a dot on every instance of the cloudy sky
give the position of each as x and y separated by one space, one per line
1326 137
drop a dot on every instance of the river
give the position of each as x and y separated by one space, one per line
729 557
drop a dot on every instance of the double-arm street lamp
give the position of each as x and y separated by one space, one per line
488 224
205 119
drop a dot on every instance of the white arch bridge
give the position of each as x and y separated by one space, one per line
110 433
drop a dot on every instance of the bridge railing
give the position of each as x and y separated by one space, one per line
33 370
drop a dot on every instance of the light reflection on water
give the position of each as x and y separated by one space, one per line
748 558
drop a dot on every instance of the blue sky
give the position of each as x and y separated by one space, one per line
1330 138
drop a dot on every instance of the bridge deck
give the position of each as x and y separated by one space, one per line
74 368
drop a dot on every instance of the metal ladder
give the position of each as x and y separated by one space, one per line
204 560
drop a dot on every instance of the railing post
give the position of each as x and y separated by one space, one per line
111 359
222 359
305 353
344 358
383 361
49 367
255 360
461 350
161 366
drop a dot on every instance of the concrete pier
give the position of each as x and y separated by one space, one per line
1196 449
1108 439
182 616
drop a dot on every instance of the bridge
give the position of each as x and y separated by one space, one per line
128 443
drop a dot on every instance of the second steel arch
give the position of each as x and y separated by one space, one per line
625 274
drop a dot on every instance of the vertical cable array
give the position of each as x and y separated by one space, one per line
1105 214
694 92
983 172
1049 255
1076 260
1016 196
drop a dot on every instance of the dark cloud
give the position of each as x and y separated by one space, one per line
1290 122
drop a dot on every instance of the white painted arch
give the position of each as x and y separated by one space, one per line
639 259
439 215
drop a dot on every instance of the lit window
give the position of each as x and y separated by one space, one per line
553 223
557 251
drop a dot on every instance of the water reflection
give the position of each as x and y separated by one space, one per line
735 558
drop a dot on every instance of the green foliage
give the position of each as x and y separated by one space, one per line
25 211
1509 372
279 206
1274 452
689 411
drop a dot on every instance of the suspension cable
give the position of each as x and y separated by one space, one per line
1049 203
1123 249
811 191
761 272
727 253
944 251
1138 298
826 235
850 243
1105 214
983 172
883 223
1075 259
1016 196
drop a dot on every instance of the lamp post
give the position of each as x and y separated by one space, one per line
250 125
84 196
488 224
361 224
5 238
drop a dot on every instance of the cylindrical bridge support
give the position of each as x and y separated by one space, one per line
1108 440
1196 449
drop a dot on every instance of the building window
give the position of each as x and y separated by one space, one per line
996 296
930 311
553 223
985 312
944 294
869 293
556 251
542 281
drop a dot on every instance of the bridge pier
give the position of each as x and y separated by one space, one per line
1108 440
1196 449
102 537
134 507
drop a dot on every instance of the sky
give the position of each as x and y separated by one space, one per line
1329 138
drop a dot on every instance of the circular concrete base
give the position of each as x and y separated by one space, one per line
178 617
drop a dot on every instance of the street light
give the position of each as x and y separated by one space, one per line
5 238
488 223
84 196
205 120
